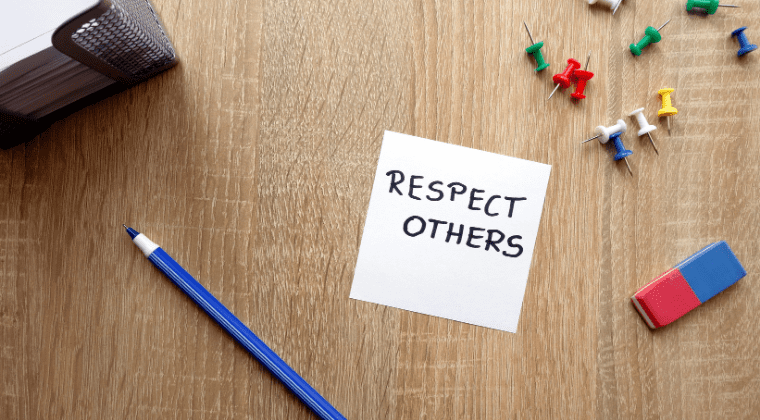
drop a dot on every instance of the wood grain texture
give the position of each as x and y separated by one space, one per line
252 163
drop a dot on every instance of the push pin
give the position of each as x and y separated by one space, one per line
651 36
612 4
535 51
605 134
644 126
709 6
746 47
580 77
563 79
622 153
667 109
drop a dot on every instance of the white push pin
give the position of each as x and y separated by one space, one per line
645 127
603 133
612 4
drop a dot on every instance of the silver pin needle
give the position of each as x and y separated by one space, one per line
663 25
668 119
653 145
125 226
616 7
532 42
629 166
727 5
587 60
555 89
592 138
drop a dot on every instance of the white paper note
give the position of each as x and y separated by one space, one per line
405 260
25 20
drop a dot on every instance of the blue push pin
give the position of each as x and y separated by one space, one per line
622 153
613 132
746 47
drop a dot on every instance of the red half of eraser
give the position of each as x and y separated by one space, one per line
665 299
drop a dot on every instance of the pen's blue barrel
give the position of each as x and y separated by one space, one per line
243 335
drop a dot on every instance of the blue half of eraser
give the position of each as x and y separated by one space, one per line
711 270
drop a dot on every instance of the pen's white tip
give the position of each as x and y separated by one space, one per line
146 245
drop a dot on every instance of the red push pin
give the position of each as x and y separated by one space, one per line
580 77
563 79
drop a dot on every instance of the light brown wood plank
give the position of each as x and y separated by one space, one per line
252 161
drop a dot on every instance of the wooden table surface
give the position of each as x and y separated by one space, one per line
252 161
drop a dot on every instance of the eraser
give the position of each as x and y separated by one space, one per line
711 270
688 285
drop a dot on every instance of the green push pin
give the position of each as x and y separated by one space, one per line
535 51
709 6
652 36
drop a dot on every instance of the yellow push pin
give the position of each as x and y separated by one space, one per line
667 108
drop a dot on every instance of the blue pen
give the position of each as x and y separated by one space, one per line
237 329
